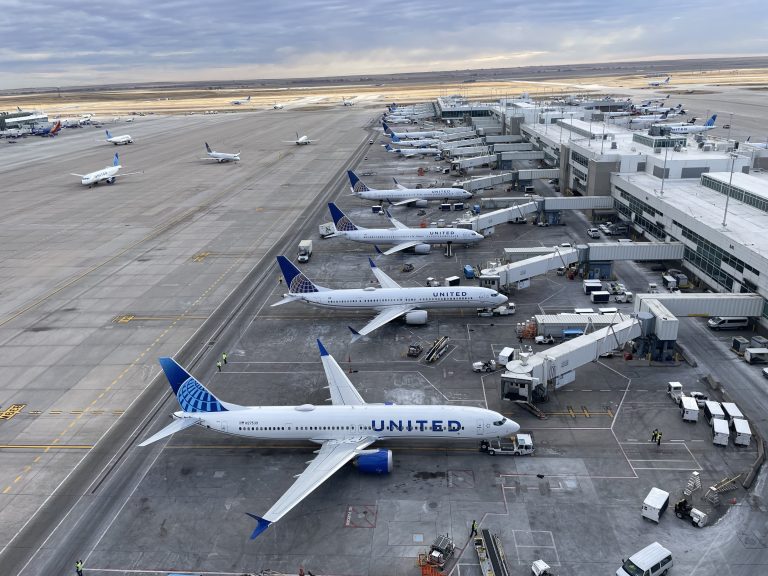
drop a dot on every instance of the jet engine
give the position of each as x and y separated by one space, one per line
416 317
374 461
420 204
421 248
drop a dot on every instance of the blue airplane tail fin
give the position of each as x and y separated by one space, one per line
395 138
355 183
192 396
295 279
116 160
341 220
387 129
108 134
208 148
711 121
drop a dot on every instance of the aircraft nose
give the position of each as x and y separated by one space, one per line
513 427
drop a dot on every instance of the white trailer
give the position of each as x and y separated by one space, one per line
655 504
713 411
756 355
720 432
689 409
743 433
731 411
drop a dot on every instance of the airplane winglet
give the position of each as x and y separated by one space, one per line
355 334
371 261
261 525
323 351
378 250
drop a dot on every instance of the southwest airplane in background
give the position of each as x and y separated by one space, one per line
656 83
692 128
401 195
300 140
344 430
107 174
48 130
390 301
220 156
238 102
403 237
117 140
422 134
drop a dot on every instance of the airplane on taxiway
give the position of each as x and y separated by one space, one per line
242 101
344 430
220 156
390 301
108 174
300 140
657 83
118 140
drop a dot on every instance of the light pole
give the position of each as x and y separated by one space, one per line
728 197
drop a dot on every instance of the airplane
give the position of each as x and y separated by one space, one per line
220 156
277 106
763 145
403 237
399 120
48 130
117 140
693 129
345 102
656 83
390 301
412 135
408 153
300 140
421 143
238 102
107 174
404 196
650 109
344 430
646 120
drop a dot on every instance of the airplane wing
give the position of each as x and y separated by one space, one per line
383 317
175 426
396 223
333 454
403 246
404 202
78 175
384 280
342 390
128 174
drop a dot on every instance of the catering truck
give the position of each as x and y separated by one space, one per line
305 250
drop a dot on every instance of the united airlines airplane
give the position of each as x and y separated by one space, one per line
403 237
344 430
404 196
108 174
390 301
117 140
422 134
220 156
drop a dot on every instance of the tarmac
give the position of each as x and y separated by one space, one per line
179 261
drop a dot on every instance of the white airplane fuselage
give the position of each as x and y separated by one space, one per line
416 135
423 235
690 129
415 193
303 140
417 151
118 140
103 175
420 297
382 421
224 157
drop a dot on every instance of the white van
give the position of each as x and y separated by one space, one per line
653 560
728 322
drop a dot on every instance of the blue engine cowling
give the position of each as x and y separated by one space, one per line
375 461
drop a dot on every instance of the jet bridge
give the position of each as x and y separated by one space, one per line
487 181
531 377
479 222
516 272
502 216
472 162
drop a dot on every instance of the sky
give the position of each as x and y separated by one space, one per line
81 42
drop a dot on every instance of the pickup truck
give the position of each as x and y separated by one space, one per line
517 445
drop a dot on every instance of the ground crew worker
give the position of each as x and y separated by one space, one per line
654 434
224 357
218 365
474 529
658 438
79 567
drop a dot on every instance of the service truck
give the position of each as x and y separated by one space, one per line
305 250
517 445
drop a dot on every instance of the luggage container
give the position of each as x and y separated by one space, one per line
756 355
655 504
743 434
713 411
505 356
739 344
720 432
600 297
689 409
731 411
591 286
758 342
452 281
469 272
607 311
583 311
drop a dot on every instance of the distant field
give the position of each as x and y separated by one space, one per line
186 100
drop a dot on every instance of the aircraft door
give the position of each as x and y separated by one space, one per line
222 425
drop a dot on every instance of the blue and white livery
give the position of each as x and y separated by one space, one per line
108 174
344 430
390 301
118 140
402 196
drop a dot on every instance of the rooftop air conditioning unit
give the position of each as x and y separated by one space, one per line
657 150
614 146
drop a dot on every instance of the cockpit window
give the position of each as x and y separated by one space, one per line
494 294
500 422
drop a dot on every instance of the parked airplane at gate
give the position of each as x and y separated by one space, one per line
656 83
51 130
107 174
344 430
403 237
117 140
411 152
390 301
692 128
401 195
420 143
242 101
300 140
221 156
422 134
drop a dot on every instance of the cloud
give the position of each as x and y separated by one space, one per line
85 41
